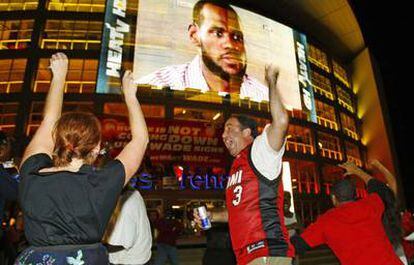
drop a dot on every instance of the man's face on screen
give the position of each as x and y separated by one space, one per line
221 41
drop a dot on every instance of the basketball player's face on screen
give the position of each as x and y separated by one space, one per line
221 42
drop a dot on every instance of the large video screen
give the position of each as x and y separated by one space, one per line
224 49
212 50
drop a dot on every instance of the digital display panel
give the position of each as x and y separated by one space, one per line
223 49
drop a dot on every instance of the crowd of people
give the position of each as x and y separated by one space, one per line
71 211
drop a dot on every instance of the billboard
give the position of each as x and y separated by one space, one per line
185 143
219 49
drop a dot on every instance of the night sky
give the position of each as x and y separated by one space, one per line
383 24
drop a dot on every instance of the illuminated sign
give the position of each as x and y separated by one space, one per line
188 143
305 83
114 31
195 182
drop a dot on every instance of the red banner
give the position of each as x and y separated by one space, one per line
171 141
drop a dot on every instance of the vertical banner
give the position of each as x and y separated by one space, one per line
115 29
305 82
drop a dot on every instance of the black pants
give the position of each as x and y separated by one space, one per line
219 256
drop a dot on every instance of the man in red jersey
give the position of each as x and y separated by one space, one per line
353 229
254 193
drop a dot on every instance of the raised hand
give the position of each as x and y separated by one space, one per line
375 163
271 75
129 88
351 168
59 65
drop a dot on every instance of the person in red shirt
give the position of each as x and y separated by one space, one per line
353 229
254 192
408 228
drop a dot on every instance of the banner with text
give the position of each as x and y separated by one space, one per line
171 141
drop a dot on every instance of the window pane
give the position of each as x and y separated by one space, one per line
322 85
345 99
326 115
12 75
77 6
349 126
340 73
352 153
299 140
15 34
329 146
81 77
8 113
318 58
71 35
14 5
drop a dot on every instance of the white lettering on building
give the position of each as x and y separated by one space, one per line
303 75
116 39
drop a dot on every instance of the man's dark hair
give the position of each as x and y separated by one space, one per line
197 17
344 190
247 123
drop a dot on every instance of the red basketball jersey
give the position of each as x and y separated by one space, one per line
255 209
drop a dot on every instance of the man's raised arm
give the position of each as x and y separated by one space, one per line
280 119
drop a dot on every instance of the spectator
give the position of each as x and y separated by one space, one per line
168 231
129 234
8 173
8 193
66 203
408 228
352 229
219 249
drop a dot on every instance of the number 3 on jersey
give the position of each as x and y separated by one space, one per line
238 190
